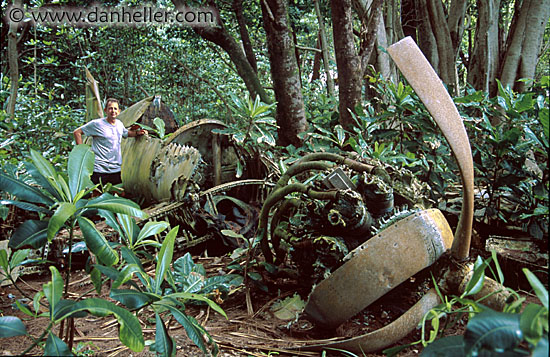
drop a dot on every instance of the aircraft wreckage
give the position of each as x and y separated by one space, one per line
383 230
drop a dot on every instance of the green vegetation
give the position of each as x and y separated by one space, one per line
46 180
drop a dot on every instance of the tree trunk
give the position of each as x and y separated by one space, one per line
324 49
382 57
524 43
484 58
219 35
457 12
347 61
368 36
13 59
447 65
290 115
245 38
315 72
426 38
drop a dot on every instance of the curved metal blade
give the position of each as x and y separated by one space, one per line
422 77
379 265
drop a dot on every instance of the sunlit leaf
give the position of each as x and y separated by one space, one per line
97 243
80 167
165 258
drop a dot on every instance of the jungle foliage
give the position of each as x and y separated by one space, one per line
42 174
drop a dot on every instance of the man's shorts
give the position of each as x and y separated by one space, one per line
102 177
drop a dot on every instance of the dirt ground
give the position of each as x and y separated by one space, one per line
241 334
244 333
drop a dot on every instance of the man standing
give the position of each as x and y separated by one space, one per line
107 135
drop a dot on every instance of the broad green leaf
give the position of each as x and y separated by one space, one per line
61 215
221 282
116 205
111 220
66 309
18 257
539 288
160 125
525 102
132 299
23 191
199 297
164 345
41 180
4 260
47 170
476 282
165 258
54 289
11 326
130 257
95 277
450 346
495 331
126 274
43 166
185 266
36 300
56 347
109 272
62 183
497 265
128 226
24 308
80 167
151 229
97 243
194 330
130 333
31 232
27 206
531 322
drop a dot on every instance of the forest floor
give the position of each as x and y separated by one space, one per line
241 334
252 329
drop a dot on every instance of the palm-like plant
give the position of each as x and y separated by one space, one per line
61 199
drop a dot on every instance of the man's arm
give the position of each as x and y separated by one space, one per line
139 132
78 136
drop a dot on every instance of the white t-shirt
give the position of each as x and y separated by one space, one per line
106 143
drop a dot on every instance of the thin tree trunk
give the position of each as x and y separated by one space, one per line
382 57
369 37
484 58
457 12
13 59
426 38
315 72
447 66
347 60
245 37
290 115
324 49
537 17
